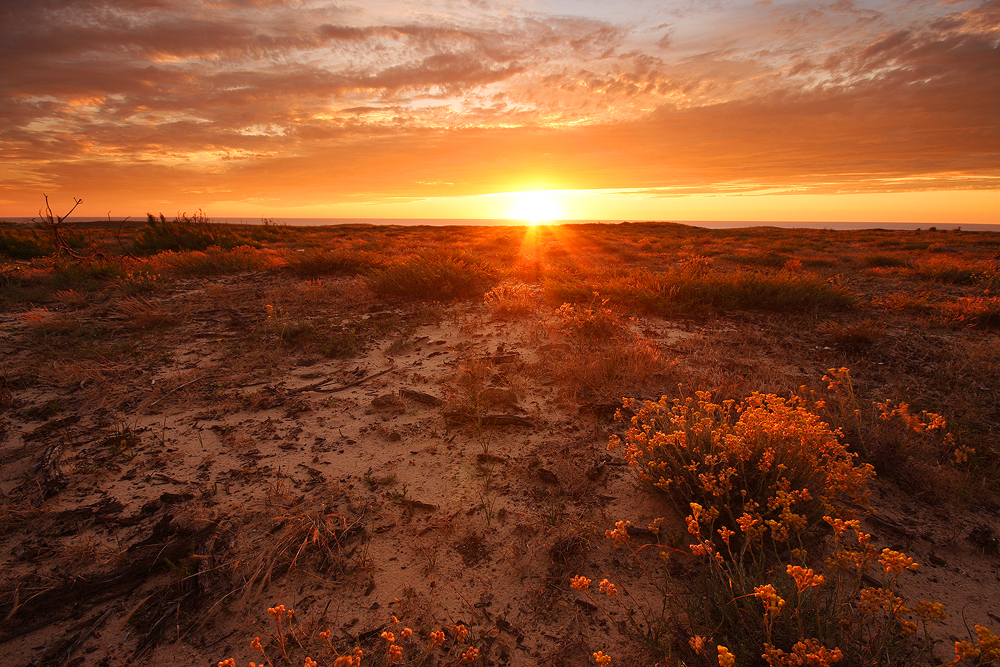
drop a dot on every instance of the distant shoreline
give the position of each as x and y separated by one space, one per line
476 222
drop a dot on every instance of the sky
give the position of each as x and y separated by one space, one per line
840 110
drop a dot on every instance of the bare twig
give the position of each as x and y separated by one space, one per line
118 236
179 387
318 386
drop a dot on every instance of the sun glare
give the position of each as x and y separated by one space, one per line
535 206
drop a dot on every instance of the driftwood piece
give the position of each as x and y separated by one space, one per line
48 428
46 607
53 480
321 385
420 397
455 418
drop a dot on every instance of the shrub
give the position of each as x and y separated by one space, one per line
434 276
510 299
767 461
696 287
87 272
763 480
196 232
753 290
605 358
914 449
884 261
23 244
312 263
214 261
978 311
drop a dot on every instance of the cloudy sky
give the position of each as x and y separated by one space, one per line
715 109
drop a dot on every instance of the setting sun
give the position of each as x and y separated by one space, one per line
535 206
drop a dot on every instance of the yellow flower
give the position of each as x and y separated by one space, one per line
579 583
927 611
701 549
804 577
395 654
619 534
894 562
229 662
989 644
255 644
965 651
697 644
726 659
773 604
437 638
310 662
601 659
405 634
460 632
608 588
388 636
470 654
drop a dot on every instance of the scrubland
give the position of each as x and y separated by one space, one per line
627 444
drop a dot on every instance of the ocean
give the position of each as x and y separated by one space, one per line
440 222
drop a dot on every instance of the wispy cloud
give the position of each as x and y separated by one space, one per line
282 98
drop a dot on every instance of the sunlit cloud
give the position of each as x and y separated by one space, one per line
307 103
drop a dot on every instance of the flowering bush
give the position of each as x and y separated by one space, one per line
766 466
759 478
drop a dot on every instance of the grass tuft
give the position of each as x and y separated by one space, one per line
435 276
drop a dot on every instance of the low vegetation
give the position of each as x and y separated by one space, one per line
767 391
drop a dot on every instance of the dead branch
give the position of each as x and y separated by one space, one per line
118 236
53 222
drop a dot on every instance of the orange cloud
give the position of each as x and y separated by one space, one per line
306 103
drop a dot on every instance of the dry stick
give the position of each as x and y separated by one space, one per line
118 236
181 386
317 386
82 637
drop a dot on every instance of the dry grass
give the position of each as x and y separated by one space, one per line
911 314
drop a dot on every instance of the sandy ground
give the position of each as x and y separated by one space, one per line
156 508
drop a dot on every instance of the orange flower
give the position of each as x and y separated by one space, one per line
388 636
726 659
608 588
804 577
470 654
437 638
395 654
773 604
229 662
619 534
280 611
927 611
460 632
697 644
894 562
702 549
601 659
579 583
